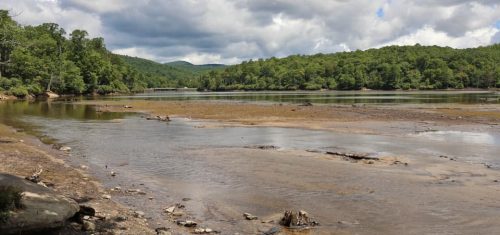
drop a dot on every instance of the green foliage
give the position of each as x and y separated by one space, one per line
10 199
34 59
388 68
19 91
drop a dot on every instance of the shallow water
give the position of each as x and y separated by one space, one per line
332 97
210 165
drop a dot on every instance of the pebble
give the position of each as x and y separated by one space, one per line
106 196
249 216
65 148
170 210
121 218
88 226
139 214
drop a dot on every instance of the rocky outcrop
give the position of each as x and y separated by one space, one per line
42 208
50 95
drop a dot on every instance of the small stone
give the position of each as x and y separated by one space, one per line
272 231
86 217
186 199
84 167
118 188
199 231
178 213
190 223
120 218
170 210
88 226
65 148
151 198
139 214
106 196
208 230
249 216
113 173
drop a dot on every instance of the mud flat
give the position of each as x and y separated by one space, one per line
213 162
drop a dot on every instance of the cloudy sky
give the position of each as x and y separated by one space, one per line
229 31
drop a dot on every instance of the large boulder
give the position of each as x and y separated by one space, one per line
42 208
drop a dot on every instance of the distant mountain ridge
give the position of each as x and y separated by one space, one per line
192 67
175 72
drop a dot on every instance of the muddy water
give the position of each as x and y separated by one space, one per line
223 178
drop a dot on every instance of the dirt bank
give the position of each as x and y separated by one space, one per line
21 155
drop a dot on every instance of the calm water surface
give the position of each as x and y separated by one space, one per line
332 97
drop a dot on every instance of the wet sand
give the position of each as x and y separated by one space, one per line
374 119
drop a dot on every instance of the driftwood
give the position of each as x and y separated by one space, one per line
35 177
354 156
159 118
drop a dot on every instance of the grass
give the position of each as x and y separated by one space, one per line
10 199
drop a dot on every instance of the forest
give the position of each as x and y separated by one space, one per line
35 59
388 68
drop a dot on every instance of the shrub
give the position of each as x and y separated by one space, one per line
10 198
19 91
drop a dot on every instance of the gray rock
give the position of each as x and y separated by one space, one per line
43 209
88 226
249 216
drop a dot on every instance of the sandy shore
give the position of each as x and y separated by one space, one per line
371 119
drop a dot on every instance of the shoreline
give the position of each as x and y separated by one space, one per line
22 154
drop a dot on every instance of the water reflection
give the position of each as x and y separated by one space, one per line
340 97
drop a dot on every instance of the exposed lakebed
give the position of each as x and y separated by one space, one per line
224 175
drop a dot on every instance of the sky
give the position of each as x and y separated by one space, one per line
231 31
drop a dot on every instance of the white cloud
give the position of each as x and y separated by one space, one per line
228 31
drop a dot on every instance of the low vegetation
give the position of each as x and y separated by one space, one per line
10 199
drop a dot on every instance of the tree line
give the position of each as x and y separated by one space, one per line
388 68
34 59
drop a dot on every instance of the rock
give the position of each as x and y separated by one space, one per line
186 223
88 226
297 219
127 107
65 148
43 209
272 231
113 173
170 210
50 95
208 230
83 167
106 196
120 218
139 214
186 199
178 213
249 216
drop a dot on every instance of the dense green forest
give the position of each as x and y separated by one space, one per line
34 59
388 68
179 73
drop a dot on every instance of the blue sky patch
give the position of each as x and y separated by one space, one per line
498 24
380 12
